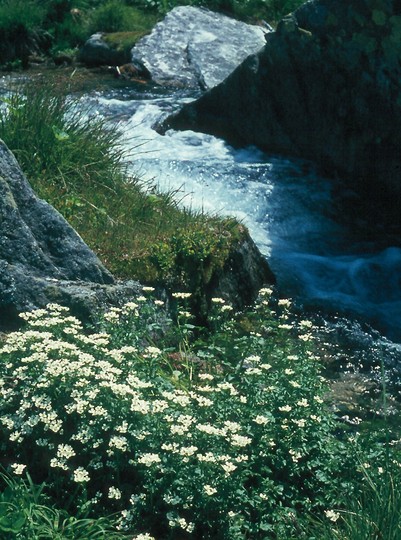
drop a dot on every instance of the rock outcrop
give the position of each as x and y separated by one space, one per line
197 48
244 273
42 259
326 87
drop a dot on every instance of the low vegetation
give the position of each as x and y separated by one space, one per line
176 433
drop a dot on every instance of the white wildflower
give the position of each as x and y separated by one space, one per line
205 376
149 459
240 440
228 467
114 493
285 408
182 295
65 451
303 403
18 468
209 490
81 475
332 515
260 419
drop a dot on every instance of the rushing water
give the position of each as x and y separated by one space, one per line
294 216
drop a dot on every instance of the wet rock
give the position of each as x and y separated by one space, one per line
131 72
194 47
326 87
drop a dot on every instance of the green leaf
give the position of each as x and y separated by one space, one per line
12 523
60 134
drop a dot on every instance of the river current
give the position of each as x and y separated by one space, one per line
295 216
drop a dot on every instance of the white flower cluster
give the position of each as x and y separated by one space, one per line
112 407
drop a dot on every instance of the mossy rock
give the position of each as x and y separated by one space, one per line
123 41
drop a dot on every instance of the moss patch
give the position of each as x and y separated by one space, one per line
123 41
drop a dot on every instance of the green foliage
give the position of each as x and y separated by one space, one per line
190 258
116 16
248 10
374 514
25 514
18 21
48 133
225 437
270 10
69 33
21 16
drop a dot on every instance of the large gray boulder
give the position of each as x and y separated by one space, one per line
42 259
326 86
197 48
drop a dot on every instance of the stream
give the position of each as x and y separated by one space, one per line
297 219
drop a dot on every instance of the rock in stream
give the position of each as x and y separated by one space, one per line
195 47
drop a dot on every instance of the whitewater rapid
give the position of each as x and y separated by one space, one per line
292 213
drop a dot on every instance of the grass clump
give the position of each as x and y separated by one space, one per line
21 15
26 513
221 436
117 16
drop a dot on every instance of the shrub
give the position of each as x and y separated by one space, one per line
18 21
115 16
21 15
223 438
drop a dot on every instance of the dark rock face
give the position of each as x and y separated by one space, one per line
196 48
42 258
244 273
326 87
